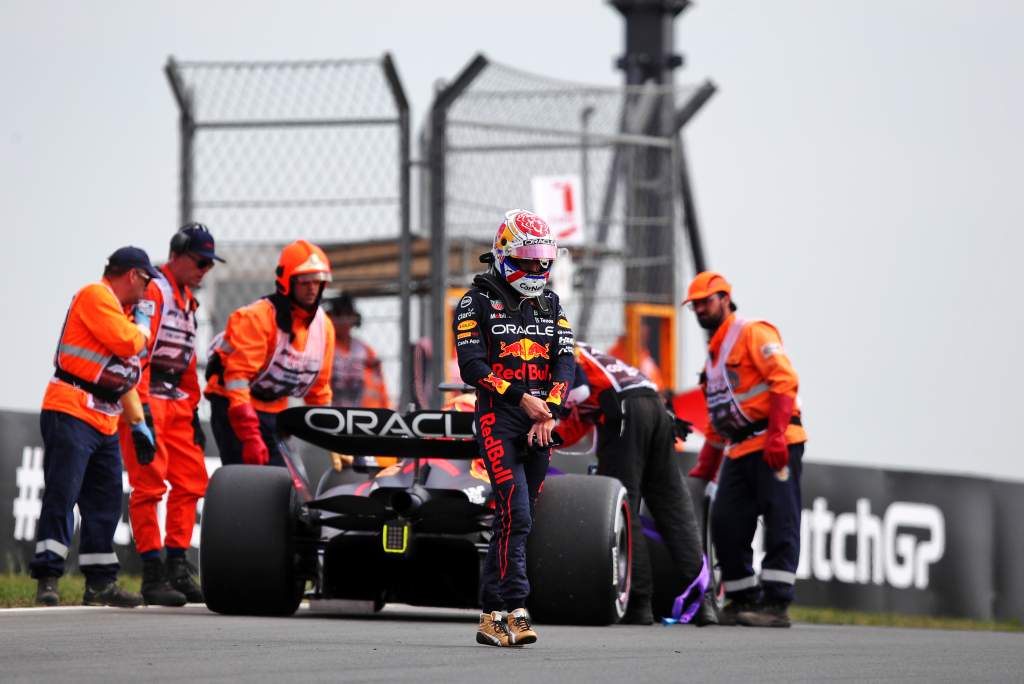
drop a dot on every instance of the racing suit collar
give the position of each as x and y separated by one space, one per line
489 282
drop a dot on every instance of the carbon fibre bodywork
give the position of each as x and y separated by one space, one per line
417 532
439 491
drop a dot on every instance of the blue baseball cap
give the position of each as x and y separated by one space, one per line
133 257
195 238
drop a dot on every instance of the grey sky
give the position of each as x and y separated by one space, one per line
853 176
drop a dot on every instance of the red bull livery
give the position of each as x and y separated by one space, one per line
525 347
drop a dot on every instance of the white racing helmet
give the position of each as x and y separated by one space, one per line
524 235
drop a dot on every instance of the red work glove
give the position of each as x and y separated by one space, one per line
708 461
776 451
246 425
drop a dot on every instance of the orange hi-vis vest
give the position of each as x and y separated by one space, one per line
356 379
606 371
171 371
746 363
605 374
291 372
96 360
264 365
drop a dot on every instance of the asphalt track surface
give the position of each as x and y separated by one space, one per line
419 645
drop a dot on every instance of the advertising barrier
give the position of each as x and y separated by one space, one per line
871 539
21 495
894 541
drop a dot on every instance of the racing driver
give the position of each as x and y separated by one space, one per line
515 346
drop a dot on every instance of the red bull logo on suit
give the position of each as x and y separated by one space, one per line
525 349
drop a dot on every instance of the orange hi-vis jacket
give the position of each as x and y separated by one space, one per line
99 344
604 373
252 341
356 379
755 365
170 363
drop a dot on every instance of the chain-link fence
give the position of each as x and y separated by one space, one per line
497 135
276 151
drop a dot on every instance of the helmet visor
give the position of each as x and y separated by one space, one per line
540 251
316 277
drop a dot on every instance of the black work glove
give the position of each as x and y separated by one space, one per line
145 444
682 428
198 436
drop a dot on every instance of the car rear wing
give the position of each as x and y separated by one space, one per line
383 432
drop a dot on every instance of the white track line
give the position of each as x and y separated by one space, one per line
65 609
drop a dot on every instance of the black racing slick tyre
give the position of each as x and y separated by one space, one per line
578 553
247 555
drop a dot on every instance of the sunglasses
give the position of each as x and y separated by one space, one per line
692 306
145 277
201 262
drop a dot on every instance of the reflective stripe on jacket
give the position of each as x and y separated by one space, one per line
755 365
99 344
171 369
252 342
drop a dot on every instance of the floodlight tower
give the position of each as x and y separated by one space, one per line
650 58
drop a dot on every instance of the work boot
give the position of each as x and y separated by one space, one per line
727 616
46 592
765 615
110 594
638 612
520 631
492 630
181 575
707 614
156 591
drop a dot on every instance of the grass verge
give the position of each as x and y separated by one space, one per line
19 591
832 616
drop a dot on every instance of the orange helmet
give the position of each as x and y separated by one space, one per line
707 284
299 258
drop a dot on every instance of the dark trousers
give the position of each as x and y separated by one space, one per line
517 475
748 488
228 444
638 450
80 466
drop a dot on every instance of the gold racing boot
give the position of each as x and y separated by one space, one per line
492 630
520 631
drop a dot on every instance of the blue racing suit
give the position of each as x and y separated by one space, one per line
509 346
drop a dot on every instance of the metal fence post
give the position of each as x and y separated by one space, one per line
438 230
405 237
187 129
273 151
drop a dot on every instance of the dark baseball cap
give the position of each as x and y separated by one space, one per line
340 304
133 257
195 238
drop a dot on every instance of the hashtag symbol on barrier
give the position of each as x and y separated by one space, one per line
29 479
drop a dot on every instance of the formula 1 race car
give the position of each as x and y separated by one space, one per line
416 532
